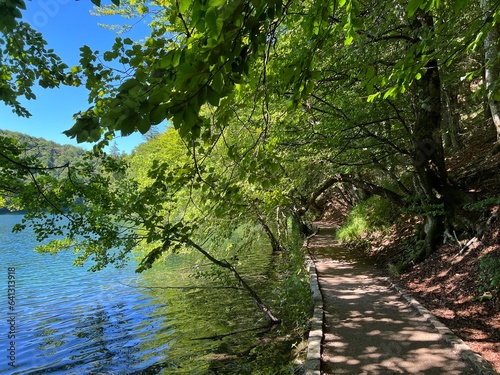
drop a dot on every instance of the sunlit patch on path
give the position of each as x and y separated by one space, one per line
368 327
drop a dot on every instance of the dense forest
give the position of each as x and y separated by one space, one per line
49 156
48 153
279 111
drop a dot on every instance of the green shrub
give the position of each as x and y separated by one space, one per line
374 214
489 273
293 291
482 204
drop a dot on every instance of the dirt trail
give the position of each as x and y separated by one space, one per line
368 327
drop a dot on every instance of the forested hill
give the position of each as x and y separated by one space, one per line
44 153
49 154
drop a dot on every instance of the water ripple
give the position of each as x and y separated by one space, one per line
70 321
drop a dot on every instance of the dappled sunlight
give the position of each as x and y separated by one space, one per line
369 329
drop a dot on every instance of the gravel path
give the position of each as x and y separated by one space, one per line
368 327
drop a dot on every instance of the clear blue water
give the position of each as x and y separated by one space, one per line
71 321
118 322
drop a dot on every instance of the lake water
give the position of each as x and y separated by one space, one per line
68 320
71 321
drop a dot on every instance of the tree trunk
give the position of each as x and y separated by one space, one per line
282 225
298 220
451 119
492 69
428 155
275 242
255 297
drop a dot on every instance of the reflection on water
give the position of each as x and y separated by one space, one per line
70 321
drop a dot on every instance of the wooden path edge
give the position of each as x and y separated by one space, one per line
312 364
478 363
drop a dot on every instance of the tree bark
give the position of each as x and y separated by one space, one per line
492 69
428 155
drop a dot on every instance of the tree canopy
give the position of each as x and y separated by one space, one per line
272 106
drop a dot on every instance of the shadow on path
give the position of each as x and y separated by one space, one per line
368 328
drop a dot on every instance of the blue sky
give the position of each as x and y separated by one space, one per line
66 25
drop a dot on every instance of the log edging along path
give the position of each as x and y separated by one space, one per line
478 363
312 364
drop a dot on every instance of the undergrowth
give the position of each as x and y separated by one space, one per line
489 273
371 215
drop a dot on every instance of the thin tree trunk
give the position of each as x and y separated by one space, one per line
492 69
278 223
451 119
255 297
275 243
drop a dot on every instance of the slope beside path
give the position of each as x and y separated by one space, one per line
369 328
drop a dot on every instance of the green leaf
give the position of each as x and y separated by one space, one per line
176 58
372 97
143 126
157 115
214 23
126 126
213 96
218 82
391 92
128 84
412 7
370 72
459 5
108 56
184 5
190 117
82 136
96 2
17 13
216 3
116 2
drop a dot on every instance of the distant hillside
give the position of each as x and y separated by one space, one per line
50 154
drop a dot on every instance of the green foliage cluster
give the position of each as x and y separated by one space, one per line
482 204
25 60
12 177
489 273
294 293
416 207
367 217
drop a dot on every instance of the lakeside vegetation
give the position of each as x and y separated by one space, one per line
277 111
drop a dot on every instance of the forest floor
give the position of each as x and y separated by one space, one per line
450 283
